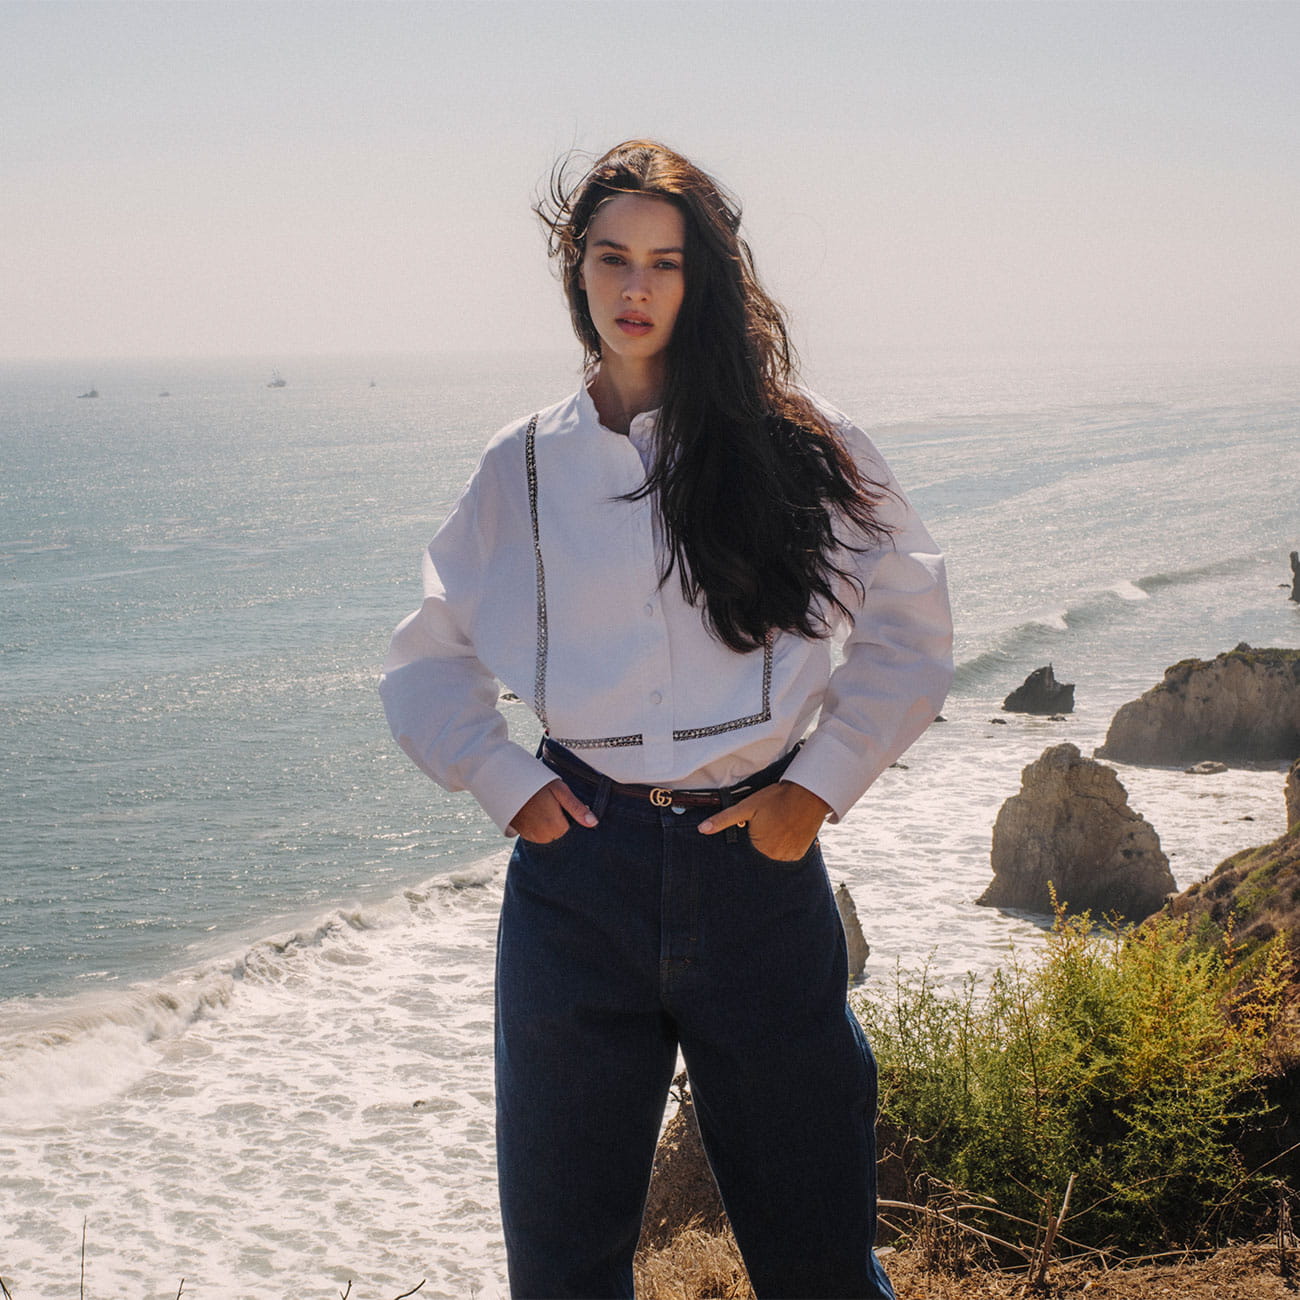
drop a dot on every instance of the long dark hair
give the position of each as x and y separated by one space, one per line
749 477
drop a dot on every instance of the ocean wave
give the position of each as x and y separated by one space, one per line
1196 573
60 1056
63 1059
14 546
1038 635
1010 649
980 670
1013 647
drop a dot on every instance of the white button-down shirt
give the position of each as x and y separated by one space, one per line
543 580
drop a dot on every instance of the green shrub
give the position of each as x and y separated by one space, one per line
1125 1058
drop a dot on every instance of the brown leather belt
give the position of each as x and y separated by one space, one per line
660 796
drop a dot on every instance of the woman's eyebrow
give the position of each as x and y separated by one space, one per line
622 248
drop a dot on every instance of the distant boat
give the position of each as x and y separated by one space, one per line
373 384
277 380
164 393
90 392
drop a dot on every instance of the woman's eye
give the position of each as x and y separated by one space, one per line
612 259
669 266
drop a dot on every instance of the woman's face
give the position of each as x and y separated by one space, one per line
633 274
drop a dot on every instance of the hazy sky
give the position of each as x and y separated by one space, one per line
276 179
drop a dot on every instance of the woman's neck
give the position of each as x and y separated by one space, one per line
621 393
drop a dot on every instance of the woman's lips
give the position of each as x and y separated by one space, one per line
634 325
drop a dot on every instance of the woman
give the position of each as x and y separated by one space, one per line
658 564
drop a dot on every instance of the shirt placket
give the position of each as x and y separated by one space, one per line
656 686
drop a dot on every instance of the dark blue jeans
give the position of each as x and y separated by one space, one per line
619 944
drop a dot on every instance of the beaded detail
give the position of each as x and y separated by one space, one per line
543 644
539 675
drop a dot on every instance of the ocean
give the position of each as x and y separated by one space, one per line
246 948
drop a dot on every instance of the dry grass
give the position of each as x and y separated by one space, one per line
699 1265
695 1264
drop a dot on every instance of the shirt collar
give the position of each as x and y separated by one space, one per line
643 424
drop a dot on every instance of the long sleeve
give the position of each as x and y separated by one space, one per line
545 579
440 698
897 663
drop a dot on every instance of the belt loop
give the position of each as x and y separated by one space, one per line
732 833
604 785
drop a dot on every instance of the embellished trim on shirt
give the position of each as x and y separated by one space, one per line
543 644
539 676
754 719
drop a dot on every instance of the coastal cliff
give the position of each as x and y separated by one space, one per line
1242 706
1255 894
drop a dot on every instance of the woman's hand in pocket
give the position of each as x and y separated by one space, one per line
783 820
543 818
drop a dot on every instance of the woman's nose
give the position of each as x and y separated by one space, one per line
635 286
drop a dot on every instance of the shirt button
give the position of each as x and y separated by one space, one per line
656 697
650 608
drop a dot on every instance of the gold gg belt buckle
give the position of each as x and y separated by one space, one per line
660 797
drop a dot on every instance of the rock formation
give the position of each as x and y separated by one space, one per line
1295 575
1071 828
682 1191
1243 706
1040 692
859 948
1293 794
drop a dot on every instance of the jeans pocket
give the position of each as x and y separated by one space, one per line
811 856
533 847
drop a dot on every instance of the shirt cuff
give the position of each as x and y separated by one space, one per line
834 772
507 781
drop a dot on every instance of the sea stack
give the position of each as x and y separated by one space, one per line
1040 692
1071 831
